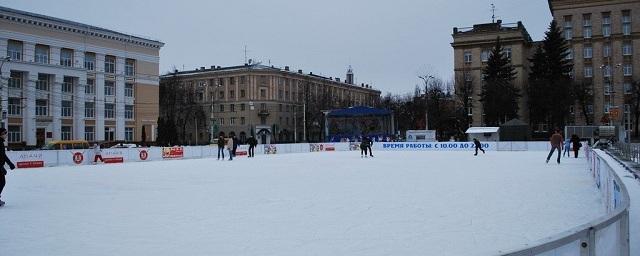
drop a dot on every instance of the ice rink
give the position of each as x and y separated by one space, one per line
329 203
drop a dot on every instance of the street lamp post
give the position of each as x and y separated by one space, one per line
426 99
4 115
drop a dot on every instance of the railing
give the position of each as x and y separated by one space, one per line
629 152
605 236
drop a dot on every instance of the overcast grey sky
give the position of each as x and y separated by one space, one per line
388 43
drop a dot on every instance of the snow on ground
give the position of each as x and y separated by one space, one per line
333 203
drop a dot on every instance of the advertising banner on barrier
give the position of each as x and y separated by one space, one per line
29 159
354 146
270 149
78 157
432 146
242 150
143 154
113 156
172 152
319 147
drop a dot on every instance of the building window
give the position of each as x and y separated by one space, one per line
232 121
14 50
607 88
468 57
66 133
232 107
627 49
67 84
128 112
279 107
242 121
587 29
110 64
484 56
15 79
109 110
568 28
263 93
42 54
66 57
67 108
587 52
569 54
15 106
221 95
89 109
14 133
43 82
507 52
627 69
626 22
129 67
232 80
627 88
109 88
242 94
128 133
232 94
221 107
42 108
128 90
242 107
90 87
589 109
606 71
280 94
90 61
89 133
606 50
588 72
606 24
221 121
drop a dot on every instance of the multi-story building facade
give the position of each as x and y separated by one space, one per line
472 48
66 80
602 37
276 105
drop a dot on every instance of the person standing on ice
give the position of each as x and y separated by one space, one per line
221 146
229 146
252 144
235 144
556 143
478 146
3 160
575 140
567 148
97 152
363 147
369 143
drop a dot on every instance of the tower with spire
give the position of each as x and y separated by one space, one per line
349 79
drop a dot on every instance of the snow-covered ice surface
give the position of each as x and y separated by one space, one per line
334 203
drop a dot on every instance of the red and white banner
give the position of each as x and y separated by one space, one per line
30 159
113 156
173 152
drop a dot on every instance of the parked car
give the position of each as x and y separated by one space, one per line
66 144
125 145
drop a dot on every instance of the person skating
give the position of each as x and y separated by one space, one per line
369 143
478 146
235 144
97 151
567 148
252 144
221 143
229 146
363 147
575 140
556 143
3 160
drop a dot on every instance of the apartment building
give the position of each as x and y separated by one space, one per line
274 104
66 80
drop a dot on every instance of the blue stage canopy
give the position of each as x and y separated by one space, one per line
359 111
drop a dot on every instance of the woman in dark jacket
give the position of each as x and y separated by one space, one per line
575 141
3 160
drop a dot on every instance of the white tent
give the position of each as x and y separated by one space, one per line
484 133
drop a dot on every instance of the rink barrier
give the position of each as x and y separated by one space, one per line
604 236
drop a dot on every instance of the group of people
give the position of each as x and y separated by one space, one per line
557 141
365 147
231 145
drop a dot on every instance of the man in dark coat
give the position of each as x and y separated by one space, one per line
221 146
235 144
252 144
575 140
478 146
3 160
369 143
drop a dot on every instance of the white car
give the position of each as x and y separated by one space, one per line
125 145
